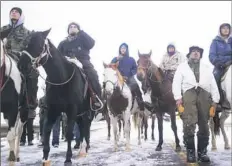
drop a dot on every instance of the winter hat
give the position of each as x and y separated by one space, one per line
73 23
224 25
18 9
171 46
195 48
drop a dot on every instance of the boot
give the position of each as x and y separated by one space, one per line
190 145
202 149
224 101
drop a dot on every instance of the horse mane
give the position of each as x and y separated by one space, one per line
158 71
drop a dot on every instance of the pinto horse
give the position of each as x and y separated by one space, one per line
161 96
220 121
11 99
66 90
121 104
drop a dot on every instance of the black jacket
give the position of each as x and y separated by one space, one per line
78 47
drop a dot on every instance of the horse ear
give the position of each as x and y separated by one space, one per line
150 53
139 53
45 33
105 65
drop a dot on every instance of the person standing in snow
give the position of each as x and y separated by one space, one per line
195 90
171 61
220 55
128 69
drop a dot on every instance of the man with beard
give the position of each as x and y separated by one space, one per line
195 90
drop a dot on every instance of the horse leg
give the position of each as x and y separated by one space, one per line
11 135
142 125
146 126
140 117
160 128
127 128
223 117
174 129
213 137
47 127
120 128
108 125
18 137
114 121
69 136
152 127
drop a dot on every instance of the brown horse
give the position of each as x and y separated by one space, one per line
162 98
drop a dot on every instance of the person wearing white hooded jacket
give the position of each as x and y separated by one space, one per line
194 87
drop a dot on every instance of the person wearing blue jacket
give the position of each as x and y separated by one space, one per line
128 68
220 55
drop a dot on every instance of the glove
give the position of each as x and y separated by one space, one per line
125 78
212 110
180 106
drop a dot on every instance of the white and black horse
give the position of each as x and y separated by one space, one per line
66 90
121 104
11 98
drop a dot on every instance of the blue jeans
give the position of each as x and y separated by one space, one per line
56 131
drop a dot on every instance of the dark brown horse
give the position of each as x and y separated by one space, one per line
162 98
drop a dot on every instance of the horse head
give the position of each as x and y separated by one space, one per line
112 77
36 48
147 71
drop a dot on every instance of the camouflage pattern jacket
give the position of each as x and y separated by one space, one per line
172 62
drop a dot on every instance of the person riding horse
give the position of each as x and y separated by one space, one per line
220 56
128 68
170 61
16 35
77 44
196 94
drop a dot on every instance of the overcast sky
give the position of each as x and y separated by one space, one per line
143 25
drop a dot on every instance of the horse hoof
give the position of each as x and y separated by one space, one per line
128 149
115 149
76 146
152 138
108 138
11 156
178 149
46 163
213 148
142 136
18 159
227 147
82 155
11 163
68 162
158 148
139 143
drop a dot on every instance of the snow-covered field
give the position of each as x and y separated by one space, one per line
102 154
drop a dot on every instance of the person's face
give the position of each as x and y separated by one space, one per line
195 55
123 50
14 14
73 29
225 31
171 49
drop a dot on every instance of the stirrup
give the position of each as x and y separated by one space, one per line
101 104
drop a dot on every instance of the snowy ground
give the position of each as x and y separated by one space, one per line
102 154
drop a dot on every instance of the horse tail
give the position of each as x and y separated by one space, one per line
135 120
216 121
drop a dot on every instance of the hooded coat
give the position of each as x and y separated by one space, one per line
220 51
127 65
15 34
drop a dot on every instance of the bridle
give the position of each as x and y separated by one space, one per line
45 54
